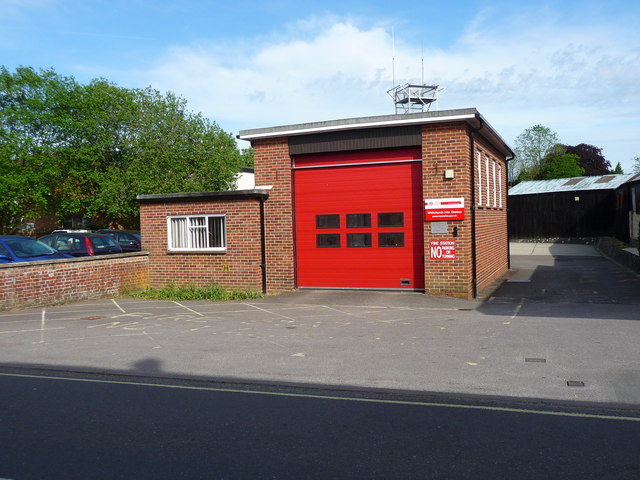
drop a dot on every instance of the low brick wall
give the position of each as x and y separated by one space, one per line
51 282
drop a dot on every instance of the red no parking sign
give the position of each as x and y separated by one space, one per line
443 249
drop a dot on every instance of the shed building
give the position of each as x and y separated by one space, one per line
565 207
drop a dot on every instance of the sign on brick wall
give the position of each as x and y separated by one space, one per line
443 249
443 209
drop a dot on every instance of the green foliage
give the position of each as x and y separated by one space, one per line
531 148
192 292
561 166
636 164
68 149
247 157
590 159
618 170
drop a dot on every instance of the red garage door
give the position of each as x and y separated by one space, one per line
359 220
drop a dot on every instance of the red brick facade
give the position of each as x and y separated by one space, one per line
58 281
480 177
237 267
492 237
272 166
448 146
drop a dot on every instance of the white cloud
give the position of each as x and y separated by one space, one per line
580 81
332 73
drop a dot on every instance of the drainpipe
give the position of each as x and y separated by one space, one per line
263 248
474 254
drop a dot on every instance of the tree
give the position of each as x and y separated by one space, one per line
31 113
636 164
591 159
88 150
618 170
562 166
168 150
531 148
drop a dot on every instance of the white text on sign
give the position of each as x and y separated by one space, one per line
443 249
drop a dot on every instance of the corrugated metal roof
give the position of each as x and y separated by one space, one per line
603 182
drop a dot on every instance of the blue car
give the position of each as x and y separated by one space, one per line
14 248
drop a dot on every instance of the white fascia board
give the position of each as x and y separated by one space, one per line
351 126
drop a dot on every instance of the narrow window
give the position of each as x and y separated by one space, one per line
480 178
391 239
486 170
327 221
197 232
358 220
393 219
495 197
500 185
328 240
358 240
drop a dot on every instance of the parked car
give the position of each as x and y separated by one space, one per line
82 244
15 248
129 240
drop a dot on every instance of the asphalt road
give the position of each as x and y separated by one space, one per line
106 427
540 380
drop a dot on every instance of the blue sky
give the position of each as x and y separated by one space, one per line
571 65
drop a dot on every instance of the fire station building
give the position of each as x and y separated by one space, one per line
413 202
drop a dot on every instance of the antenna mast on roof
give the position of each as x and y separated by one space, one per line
412 98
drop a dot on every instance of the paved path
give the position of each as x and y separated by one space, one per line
553 249
526 342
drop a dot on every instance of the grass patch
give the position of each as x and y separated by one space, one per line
192 292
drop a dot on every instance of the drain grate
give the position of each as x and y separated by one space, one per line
535 360
575 383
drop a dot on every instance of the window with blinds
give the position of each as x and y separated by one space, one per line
197 233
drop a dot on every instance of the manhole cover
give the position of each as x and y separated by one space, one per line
575 383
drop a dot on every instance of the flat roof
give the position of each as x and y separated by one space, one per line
468 115
221 195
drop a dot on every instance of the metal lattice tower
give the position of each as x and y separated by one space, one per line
410 98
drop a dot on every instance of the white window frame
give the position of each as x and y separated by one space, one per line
194 232
479 179
500 185
495 184
486 165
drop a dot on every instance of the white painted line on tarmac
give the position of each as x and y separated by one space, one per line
42 320
517 310
269 312
335 397
32 330
116 304
190 309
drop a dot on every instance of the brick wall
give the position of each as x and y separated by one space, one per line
272 165
446 146
58 281
238 267
492 242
